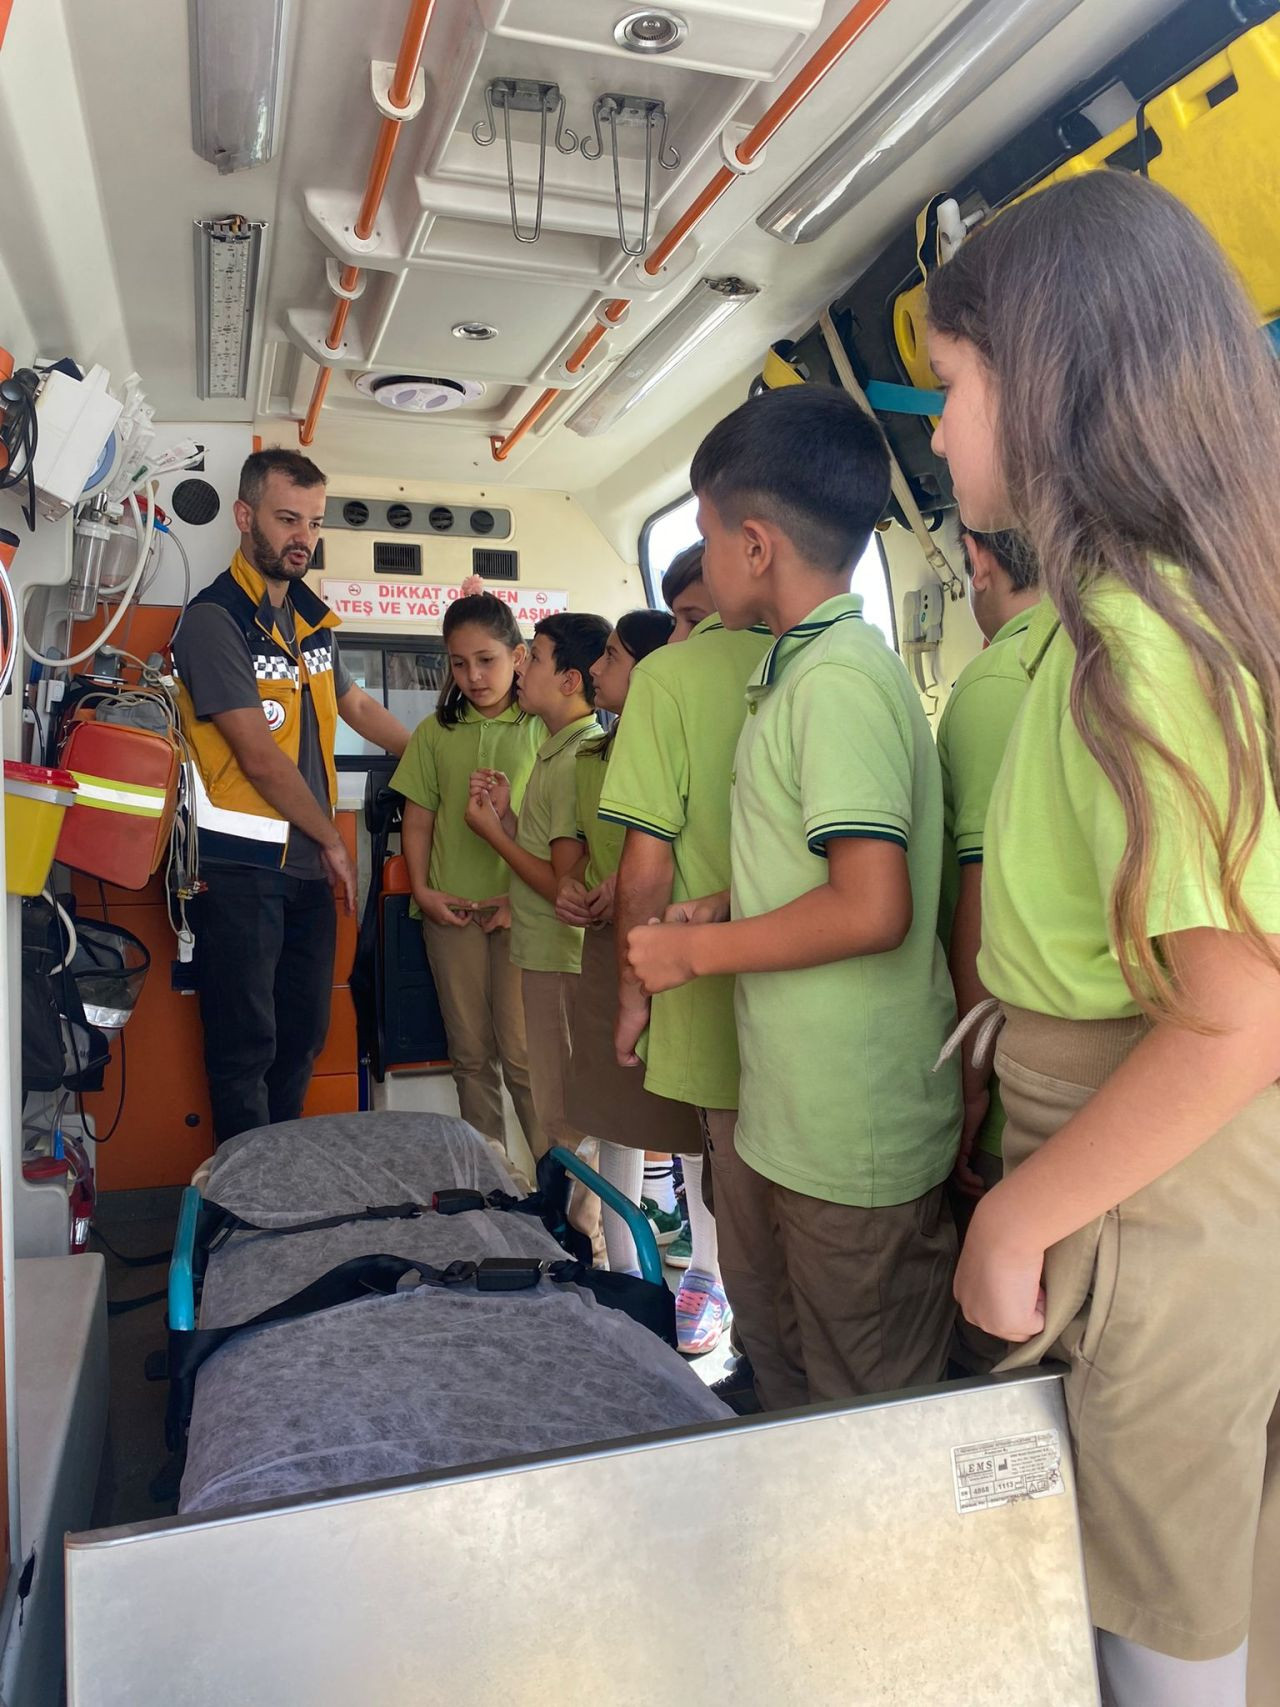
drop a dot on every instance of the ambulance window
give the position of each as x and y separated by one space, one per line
666 533
871 580
407 675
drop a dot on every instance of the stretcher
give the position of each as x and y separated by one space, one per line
430 1321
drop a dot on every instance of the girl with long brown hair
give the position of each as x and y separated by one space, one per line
1109 395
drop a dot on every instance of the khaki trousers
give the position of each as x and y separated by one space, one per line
832 1301
548 1021
1167 1311
480 999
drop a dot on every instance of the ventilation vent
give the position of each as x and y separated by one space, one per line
482 521
392 558
195 502
399 516
354 513
441 519
495 565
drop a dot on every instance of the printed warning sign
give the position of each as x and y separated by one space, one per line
420 605
990 1473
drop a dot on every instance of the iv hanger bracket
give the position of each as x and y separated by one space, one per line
616 109
524 95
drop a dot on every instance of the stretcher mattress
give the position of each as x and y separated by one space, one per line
390 1387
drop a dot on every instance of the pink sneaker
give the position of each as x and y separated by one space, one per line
702 1313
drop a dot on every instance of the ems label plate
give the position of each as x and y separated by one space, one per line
990 1473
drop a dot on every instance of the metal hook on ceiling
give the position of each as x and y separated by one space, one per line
522 95
614 109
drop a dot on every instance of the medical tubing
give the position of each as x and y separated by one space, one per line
144 533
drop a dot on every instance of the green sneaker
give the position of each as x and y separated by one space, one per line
679 1253
666 1223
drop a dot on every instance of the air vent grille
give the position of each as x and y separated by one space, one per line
441 519
495 565
402 515
390 557
482 521
354 513
399 516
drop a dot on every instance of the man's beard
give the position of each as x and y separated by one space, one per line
271 565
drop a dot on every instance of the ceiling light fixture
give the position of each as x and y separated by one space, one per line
654 357
651 31
474 331
228 261
985 39
236 50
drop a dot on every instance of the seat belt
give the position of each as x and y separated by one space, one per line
218 1223
653 1307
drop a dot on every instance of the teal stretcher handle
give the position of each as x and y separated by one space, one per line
889 399
638 1223
182 1285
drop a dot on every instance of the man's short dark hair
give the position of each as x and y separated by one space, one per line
805 458
297 469
577 640
683 571
1010 551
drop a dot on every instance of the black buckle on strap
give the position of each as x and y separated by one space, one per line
392 1212
508 1274
456 1201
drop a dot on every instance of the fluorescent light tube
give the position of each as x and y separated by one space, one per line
984 40
654 357
236 50
228 261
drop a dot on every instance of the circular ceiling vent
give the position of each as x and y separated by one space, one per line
441 519
415 394
399 516
355 514
482 521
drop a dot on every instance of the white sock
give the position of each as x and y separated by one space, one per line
660 1183
705 1256
1134 1676
623 1167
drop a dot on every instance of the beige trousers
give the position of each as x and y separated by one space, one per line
480 999
1167 1311
832 1301
548 1020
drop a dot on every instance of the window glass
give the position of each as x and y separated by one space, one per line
408 676
663 537
871 580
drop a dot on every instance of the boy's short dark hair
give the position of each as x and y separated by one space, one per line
1010 551
805 458
683 572
297 469
577 640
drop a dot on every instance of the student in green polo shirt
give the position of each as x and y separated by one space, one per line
836 1238
460 886
1109 395
540 844
972 734
668 784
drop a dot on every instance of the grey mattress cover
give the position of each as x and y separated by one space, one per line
423 1380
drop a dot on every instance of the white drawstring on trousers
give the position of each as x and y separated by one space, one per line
987 1018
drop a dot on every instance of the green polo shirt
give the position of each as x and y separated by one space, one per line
603 840
972 734
1056 830
549 813
669 776
839 1097
435 773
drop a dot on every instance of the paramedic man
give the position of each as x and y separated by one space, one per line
260 691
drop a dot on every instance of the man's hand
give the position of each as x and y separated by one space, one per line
963 1175
600 900
630 1025
708 910
443 909
660 956
341 872
572 904
494 914
496 786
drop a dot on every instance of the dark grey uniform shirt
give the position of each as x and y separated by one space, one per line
215 666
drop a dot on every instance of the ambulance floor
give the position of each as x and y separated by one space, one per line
130 1488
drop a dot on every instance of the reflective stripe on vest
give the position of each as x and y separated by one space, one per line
222 821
